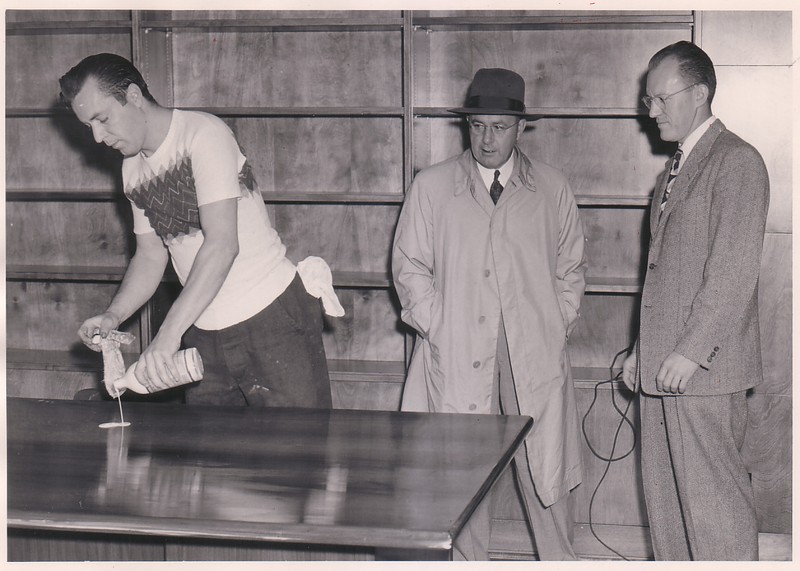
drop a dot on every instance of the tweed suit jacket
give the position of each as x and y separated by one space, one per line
700 296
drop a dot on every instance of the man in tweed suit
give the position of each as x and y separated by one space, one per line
698 349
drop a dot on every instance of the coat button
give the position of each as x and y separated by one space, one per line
716 348
487 273
652 266
476 364
709 359
481 319
473 406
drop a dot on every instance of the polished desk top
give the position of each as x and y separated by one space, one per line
337 477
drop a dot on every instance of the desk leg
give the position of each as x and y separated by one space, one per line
394 554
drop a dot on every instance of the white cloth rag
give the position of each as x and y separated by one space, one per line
113 365
318 281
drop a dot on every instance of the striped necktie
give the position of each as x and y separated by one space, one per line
673 172
496 189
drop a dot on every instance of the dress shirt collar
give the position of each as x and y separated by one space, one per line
506 170
694 136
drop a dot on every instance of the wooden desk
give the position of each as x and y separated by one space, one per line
213 483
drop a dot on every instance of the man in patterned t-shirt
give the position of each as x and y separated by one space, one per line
194 200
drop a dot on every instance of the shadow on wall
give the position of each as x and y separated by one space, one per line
96 157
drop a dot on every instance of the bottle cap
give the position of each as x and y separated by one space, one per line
194 364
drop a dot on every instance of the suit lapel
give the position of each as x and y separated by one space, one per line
658 193
689 171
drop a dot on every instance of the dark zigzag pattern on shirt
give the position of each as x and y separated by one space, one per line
169 200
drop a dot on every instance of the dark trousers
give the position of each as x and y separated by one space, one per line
699 499
275 358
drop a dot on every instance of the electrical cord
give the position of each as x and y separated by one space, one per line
610 459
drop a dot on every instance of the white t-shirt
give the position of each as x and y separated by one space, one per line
200 162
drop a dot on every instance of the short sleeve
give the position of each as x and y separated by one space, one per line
216 161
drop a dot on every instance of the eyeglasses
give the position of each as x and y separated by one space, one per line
661 100
497 129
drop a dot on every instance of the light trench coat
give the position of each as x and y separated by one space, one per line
458 262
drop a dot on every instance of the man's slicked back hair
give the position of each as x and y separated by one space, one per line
113 74
694 64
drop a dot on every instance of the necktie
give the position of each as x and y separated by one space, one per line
496 189
673 172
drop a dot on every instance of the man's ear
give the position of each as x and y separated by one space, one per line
134 95
520 128
701 94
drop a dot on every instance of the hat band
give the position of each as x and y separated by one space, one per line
495 102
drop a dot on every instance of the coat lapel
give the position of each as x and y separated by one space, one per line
683 182
658 193
467 179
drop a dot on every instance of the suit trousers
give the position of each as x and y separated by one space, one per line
552 527
698 494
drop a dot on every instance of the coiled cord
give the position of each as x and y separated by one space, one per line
610 459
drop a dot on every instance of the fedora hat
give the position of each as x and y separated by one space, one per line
495 91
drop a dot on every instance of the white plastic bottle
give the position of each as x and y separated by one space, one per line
187 361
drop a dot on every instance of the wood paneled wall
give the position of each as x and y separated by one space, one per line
286 68
567 67
74 160
324 155
46 233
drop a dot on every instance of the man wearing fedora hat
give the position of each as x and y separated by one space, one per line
488 262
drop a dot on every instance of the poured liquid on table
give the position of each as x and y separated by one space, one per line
121 423
114 424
